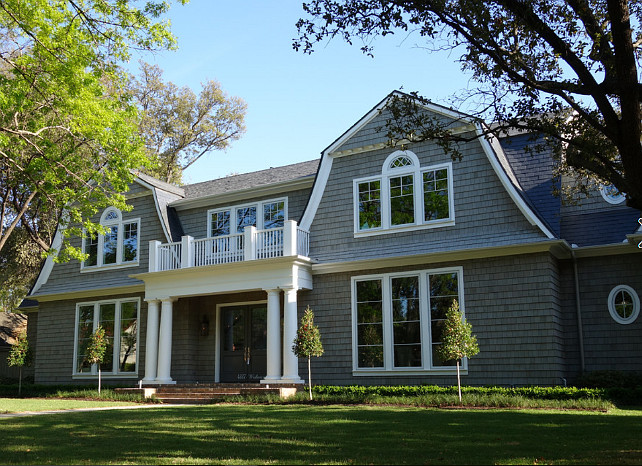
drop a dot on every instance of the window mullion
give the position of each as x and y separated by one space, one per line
385 202
424 321
388 347
116 349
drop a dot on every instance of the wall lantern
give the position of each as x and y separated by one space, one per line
205 327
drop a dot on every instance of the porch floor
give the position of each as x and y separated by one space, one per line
211 393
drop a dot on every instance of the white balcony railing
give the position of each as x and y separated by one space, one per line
252 244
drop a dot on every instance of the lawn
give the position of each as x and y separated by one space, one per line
332 434
17 405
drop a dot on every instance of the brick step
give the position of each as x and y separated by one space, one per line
217 390
206 392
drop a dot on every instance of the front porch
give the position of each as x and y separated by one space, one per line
232 322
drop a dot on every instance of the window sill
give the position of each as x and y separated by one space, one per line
451 370
426 226
102 268
104 376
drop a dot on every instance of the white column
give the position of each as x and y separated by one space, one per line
290 361
273 337
151 343
165 342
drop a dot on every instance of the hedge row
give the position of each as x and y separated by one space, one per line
619 395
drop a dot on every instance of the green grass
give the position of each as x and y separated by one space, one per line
18 405
331 434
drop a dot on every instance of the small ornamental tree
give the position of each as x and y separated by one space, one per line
308 341
20 356
457 340
96 350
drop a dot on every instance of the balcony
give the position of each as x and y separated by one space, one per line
252 244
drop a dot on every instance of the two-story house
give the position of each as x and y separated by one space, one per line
206 282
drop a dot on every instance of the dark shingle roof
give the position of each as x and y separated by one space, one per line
252 180
534 170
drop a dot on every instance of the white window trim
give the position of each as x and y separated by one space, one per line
424 322
613 200
418 191
636 305
119 264
116 359
259 213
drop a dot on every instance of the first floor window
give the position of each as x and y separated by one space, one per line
119 318
624 304
398 318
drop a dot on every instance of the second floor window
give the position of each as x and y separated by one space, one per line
404 196
119 245
263 215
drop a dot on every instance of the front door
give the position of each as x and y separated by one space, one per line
244 343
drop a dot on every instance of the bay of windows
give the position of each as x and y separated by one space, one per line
398 319
119 318
118 246
234 220
404 196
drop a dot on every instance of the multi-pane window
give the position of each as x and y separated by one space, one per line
436 205
233 220
273 214
405 196
369 323
119 244
119 318
398 319
402 200
369 205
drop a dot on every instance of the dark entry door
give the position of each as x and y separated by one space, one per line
243 343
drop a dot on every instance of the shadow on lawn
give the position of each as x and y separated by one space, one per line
314 435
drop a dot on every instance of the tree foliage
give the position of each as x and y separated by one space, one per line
66 140
96 349
308 341
565 69
179 127
457 339
20 355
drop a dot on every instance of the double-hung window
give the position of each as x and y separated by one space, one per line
119 318
398 319
118 246
405 196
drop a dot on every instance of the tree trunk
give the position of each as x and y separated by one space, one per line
309 379
99 378
458 382
20 381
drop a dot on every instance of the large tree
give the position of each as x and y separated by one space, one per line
179 127
567 69
67 141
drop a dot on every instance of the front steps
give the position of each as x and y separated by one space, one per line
211 393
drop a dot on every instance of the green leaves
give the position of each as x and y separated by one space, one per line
20 354
457 340
308 338
97 346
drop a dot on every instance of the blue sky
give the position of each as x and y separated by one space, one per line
297 104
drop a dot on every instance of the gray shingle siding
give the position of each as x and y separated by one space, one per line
66 276
511 303
484 213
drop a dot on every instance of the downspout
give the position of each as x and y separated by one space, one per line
578 310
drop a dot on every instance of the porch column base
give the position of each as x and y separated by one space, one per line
159 382
289 381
